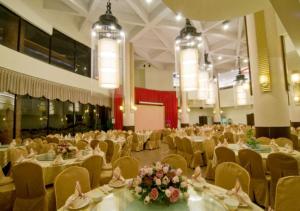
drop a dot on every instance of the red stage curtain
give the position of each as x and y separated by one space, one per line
118 99
168 98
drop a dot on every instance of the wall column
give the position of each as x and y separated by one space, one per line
128 89
185 119
271 110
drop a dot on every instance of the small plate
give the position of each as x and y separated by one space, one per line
117 184
85 202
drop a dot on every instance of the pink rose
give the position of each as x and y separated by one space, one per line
175 193
154 194
159 174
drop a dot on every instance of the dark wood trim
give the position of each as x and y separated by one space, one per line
132 128
48 115
19 35
183 125
282 42
273 132
295 124
249 65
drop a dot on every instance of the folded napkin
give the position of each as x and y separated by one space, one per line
197 176
274 146
106 189
31 153
58 160
77 199
12 144
238 193
225 143
288 148
20 159
51 150
117 175
98 151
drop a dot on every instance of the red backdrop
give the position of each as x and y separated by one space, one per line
168 98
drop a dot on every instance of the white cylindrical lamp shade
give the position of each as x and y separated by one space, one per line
203 85
211 98
241 94
189 68
108 63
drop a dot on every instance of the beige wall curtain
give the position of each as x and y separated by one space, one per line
22 84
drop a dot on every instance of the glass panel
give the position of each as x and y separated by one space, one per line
9 27
60 117
83 117
83 60
32 113
62 51
7 106
34 42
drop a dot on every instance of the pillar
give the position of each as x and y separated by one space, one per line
185 119
271 110
217 107
128 89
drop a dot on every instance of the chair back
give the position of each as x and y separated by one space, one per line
280 165
116 153
294 139
286 191
221 138
103 146
179 144
264 140
29 180
227 173
94 143
209 147
64 184
224 154
52 140
129 166
187 146
284 141
229 137
16 152
126 150
170 143
252 162
110 150
176 161
81 144
94 165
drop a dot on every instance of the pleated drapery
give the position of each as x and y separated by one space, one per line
21 84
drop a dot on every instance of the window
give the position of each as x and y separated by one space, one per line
7 107
60 117
62 51
33 115
34 42
83 60
9 27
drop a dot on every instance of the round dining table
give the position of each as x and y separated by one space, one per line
124 200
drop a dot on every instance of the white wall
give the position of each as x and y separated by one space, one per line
158 79
196 112
139 78
237 114
227 98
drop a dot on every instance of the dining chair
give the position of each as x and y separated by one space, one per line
287 194
137 144
64 183
282 142
209 147
179 146
94 166
221 138
294 139
264 140
280 165
253 163
15 153
52 139
229 136
170 142
228 172
224 154
192 156
116 153
94 143
30 187
176 161
126 149
81 144
152 142
129 166
110 150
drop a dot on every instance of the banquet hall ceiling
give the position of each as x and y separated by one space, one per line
152 28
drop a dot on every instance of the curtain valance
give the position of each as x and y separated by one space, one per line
21 84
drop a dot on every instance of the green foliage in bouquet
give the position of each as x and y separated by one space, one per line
251 141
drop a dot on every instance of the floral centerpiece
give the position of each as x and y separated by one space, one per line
160 183
251 141
66 149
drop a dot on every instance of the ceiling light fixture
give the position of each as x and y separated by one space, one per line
178 17
149 1
107 49
187 54
220 57
240 87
